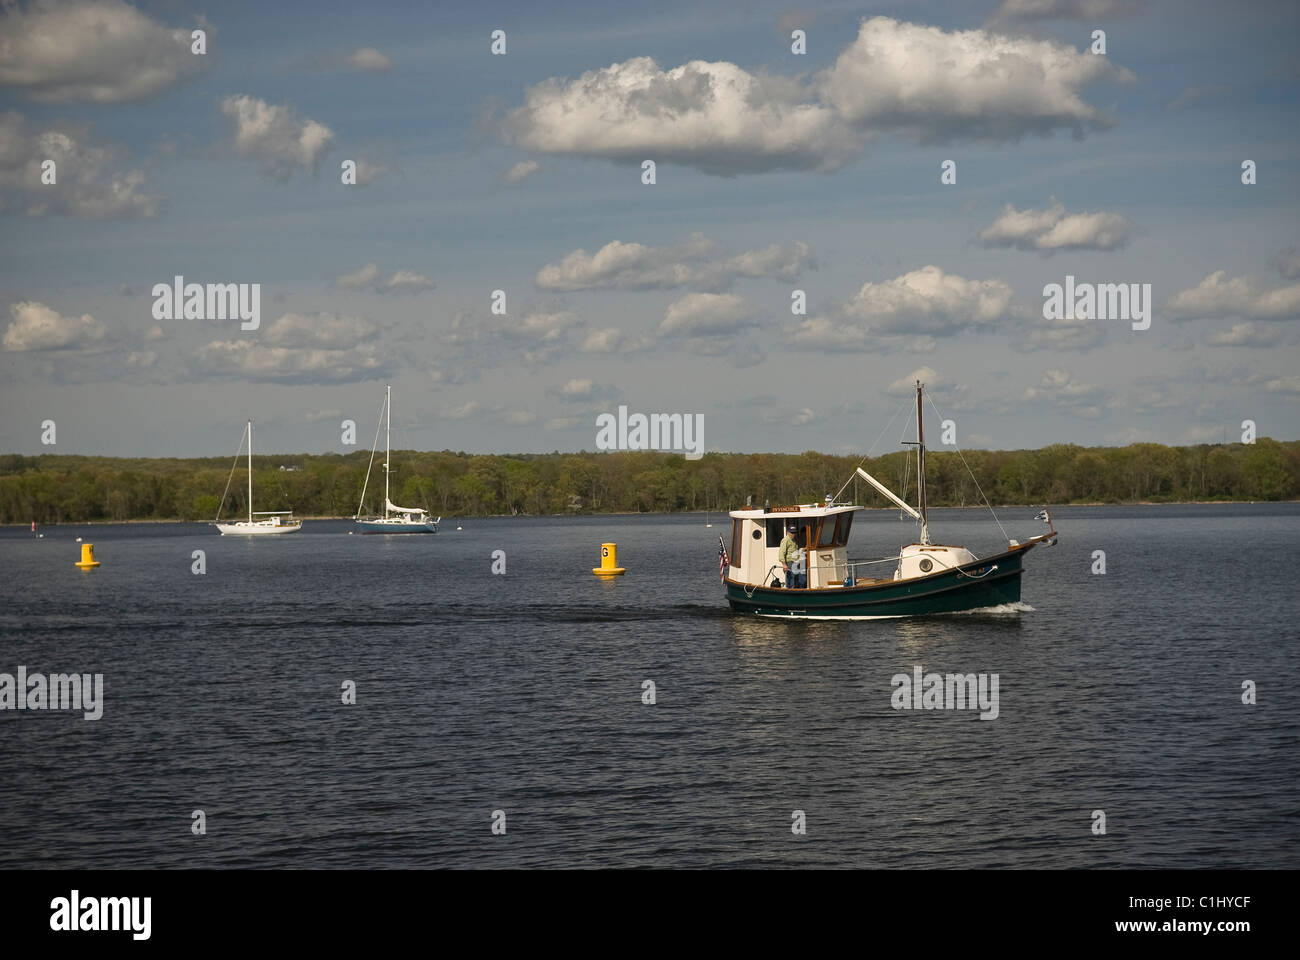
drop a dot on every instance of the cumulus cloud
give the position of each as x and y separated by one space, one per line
917 81
298 348
1064 9
1061 389
924 303
275 136
92 51
90 180
1246 334
325 330
707 314
538 337
1219 295
1050 230
371 278
369 59
714 116
691 263
521 170
37 327
936 86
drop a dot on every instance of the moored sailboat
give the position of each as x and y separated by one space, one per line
395 519
273 522
928 578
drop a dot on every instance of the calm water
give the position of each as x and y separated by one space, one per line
522 693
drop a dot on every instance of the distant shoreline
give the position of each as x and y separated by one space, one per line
677 513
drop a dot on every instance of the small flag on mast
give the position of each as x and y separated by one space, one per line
723 561
1042 515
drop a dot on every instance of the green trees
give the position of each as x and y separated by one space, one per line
52 489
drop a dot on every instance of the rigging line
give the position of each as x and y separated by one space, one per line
868 454
231 477
373 447
972 474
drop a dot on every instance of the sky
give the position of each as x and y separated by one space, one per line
781 179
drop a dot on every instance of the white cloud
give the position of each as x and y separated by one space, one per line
1246 334
521 170
1287 385
371 278
92 51
89 180
936 86
908 311
324 330
298 348
368 170
690 263
1219 295
250 360
577 389
369 59
914 80
538 337
713 116
1053 229
906 386
37 327
707 314
275 136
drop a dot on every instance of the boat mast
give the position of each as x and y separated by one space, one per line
388 429
920 465
250 471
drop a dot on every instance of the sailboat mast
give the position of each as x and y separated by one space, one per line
388 429
250 471
920 465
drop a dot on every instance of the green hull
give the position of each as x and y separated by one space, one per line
970 587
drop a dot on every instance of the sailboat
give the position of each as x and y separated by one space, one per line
928 578
276 521
395 519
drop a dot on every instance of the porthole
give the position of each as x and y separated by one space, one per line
926 564
758 534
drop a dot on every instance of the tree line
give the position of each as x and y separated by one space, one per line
70 489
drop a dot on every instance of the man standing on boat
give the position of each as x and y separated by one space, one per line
795 576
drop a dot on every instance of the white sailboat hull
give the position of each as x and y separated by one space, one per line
258 528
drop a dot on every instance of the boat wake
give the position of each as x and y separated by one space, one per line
1003 608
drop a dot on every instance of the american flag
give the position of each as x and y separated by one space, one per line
723 561
1042 515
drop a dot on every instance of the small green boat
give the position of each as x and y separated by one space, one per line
927 578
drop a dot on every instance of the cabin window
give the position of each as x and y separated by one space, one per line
736 542
845 522
775 532
827 538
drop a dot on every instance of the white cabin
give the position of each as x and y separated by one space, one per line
823 533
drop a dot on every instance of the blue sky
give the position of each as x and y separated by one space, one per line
824 177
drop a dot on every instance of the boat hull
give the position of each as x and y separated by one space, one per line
990 582
257 529
398 526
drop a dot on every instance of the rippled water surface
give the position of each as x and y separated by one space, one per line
523 693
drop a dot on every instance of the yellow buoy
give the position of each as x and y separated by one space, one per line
608 561
87 557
